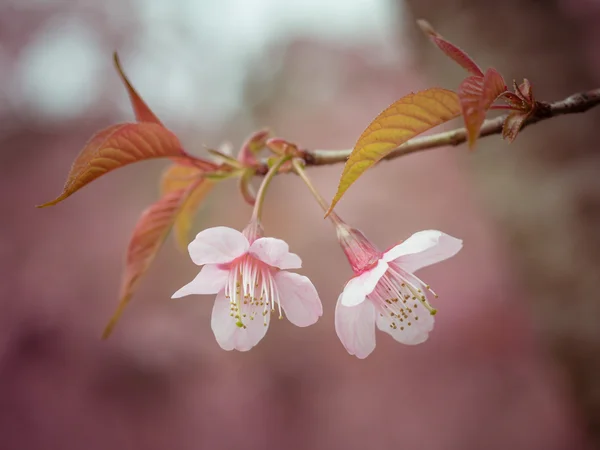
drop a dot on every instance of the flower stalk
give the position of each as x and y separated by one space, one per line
260 196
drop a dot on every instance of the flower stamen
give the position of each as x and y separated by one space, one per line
251 289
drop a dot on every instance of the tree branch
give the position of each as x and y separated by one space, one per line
576 103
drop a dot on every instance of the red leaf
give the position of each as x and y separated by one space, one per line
142 112
524 91
451 50
513 124
115 147
514 101
254 144
245 185
148 235
476 96
281 146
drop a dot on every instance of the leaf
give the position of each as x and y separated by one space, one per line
513 124
514 102
115 147
281 147
148 235
245 186
142 112
476 97
524 91
451 50
401 121
224 158
253 145
185 218
178 177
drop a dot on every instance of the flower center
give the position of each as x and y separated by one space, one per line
251 291
400 298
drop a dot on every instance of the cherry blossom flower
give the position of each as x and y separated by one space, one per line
249 274
385 292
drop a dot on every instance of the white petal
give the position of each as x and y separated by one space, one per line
359 287
355 326
275 252
210 280
299 298
218 245
423 249
229 336
421 323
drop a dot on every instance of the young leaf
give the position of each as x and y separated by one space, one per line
512 125
142 112
115 147
148 235
224 158
401 121
524 91
178 177
280 146
185 218
451 50
245 185
476 97
253 145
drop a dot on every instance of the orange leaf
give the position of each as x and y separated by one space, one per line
115 147
401 121
451 50
177 177
142 112
148 235
476 96
185 218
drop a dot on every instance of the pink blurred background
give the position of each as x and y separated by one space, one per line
316 73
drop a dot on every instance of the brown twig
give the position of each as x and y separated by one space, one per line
576 103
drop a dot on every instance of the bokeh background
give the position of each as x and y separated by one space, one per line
316 73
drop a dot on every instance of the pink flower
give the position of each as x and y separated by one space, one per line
248 274
384 290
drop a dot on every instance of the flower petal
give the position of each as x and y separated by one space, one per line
210 280
299 298
362 285
218 245
229 336
423 249
355 326
413 330
275 252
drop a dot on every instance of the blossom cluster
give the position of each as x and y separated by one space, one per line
250 275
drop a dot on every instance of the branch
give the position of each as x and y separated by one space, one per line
576 103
